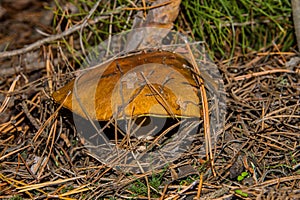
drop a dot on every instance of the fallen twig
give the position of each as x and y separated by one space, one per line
51 38
247 76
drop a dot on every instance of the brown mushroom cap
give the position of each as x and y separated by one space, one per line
158 83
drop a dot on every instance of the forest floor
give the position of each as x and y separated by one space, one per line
256 156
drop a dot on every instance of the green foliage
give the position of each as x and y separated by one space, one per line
242 176
68 13
66 189
240 192
139 187
231 26
17 197
188 180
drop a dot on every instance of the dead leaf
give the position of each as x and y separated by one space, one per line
159 17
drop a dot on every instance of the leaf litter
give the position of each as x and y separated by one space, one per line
42 156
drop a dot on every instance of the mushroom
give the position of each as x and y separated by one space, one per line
146 83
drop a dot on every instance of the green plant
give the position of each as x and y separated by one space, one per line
139 187
66 189
188 180
242 176
231 26
240 192
16 197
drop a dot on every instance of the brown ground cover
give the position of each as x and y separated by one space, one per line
257 155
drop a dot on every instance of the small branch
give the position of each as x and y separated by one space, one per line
29 67
149 7
41 42
247 76
7 98
33 121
